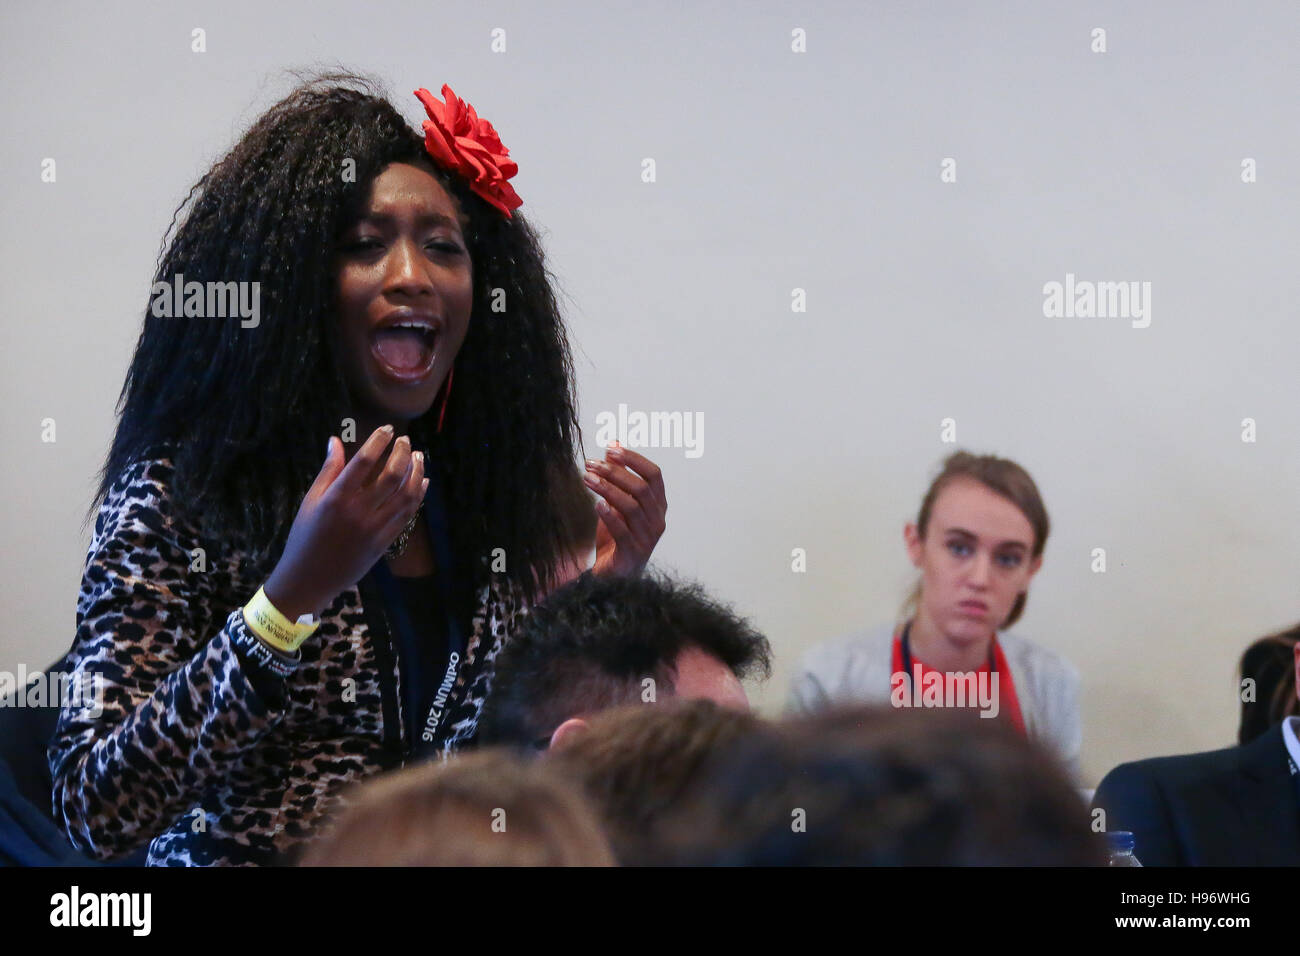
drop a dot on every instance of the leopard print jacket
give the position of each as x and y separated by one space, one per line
177 746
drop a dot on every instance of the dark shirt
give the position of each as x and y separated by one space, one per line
423 663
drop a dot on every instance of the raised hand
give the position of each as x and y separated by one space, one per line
631 509
348 518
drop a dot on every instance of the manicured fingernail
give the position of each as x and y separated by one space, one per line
593 482
596 465
424 485
387 429
418 456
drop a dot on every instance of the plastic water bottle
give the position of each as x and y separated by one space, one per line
1121 848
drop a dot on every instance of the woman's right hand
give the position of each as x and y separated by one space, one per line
349 517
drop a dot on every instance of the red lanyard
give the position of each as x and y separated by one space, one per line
907 654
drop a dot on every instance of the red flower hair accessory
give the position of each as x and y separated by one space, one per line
461 142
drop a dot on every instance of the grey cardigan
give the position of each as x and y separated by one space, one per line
856 668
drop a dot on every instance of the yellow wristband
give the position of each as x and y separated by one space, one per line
274 628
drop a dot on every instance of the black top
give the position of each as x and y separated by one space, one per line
424 663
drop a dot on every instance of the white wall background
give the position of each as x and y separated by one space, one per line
776 170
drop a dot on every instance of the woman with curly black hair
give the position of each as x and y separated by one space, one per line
265 628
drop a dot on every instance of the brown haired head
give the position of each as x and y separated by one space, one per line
490 808
1272 662
875 786
1001 476
635 762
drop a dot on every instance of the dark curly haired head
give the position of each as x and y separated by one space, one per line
249 409
593 642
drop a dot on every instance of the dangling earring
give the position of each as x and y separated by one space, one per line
442 413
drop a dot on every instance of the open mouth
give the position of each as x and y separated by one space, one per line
404 351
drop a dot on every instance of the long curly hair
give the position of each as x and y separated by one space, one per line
246 411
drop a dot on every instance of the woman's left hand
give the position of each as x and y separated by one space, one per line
630 509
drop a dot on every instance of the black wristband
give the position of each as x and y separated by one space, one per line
260 655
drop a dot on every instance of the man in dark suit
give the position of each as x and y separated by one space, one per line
1234 807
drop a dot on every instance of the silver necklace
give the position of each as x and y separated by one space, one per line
398 547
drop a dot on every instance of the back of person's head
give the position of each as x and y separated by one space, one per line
490 808
635 762
879 787
1269 664
605 640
